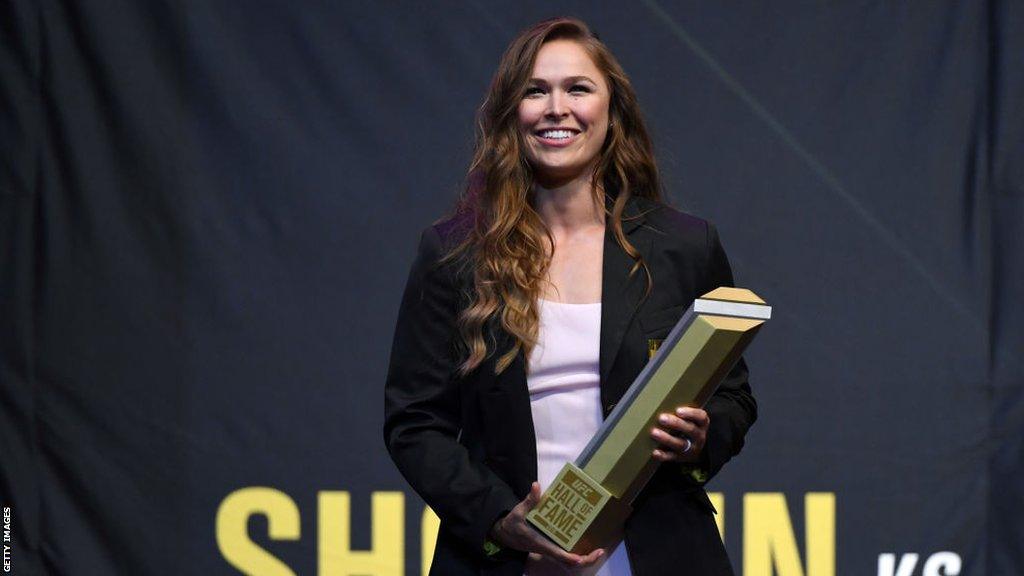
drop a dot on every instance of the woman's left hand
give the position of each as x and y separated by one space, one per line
681 436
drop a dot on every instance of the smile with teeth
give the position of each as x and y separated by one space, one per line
557 134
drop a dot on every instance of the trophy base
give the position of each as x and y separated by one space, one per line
577 513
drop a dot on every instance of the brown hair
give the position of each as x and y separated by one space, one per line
507 239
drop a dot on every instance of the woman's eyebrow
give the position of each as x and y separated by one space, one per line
567 80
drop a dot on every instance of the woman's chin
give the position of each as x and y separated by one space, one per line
558 173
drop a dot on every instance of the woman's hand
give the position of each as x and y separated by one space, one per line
512 531
681 435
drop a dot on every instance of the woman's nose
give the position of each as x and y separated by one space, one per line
556 105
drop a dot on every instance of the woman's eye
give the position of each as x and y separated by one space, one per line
579 88
533 90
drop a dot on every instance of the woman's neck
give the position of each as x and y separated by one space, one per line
569 207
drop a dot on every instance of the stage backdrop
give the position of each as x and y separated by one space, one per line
208 210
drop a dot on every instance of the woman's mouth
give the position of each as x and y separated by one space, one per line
556 137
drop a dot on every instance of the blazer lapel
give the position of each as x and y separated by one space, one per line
621 294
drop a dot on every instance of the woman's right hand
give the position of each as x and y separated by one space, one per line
513 531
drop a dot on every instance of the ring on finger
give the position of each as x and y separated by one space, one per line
689 445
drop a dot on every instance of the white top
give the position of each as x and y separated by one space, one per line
565 398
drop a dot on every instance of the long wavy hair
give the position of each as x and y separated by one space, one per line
507 241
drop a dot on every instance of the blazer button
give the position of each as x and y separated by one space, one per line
608 409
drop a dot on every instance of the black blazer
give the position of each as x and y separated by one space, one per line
467 445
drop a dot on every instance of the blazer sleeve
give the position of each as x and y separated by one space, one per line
422 413
732 407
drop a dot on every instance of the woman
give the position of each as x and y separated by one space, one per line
530 311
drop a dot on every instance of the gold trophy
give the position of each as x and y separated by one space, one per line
590 499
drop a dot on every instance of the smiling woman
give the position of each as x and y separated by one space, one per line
564 114
523 323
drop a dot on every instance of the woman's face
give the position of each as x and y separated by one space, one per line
563 118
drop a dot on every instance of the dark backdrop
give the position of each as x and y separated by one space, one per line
208 210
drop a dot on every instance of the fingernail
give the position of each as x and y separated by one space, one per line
663 419
680 411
